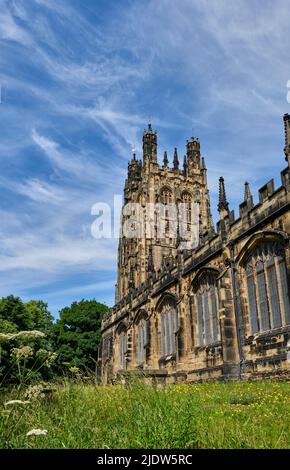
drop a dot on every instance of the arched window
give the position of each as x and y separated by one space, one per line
206 306
166 199
252 299
187 199
169 327
143 333
107 347
267 288
166 196
122 349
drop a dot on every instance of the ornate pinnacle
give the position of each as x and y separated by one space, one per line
175 160
223 203
287 135
210 220
248 194
184 165
133 153
165 160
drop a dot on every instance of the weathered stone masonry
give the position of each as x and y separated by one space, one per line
220 311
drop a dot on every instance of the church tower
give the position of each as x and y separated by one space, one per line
150 185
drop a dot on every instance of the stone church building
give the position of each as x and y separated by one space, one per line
215 311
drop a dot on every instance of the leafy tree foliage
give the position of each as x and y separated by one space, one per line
16 315
41 318
74 338
20 353
76 334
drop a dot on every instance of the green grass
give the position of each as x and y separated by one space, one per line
210 415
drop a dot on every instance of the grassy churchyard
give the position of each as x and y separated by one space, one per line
209 415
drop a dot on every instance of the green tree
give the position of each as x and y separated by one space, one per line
38 312
12 310
15 317
76 334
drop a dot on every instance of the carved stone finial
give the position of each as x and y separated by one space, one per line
223 204
287 136
175 160
247 194
165 160
184 165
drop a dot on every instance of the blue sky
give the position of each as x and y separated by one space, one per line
79 81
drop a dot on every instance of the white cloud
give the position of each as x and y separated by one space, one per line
10 30
81 166
220 65
59 254
35 189
41 191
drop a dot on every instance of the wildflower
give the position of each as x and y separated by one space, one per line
34 392
39 391
32 334
48 357
41 353
16 402
22 353
37 432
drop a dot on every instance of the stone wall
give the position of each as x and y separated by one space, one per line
214 275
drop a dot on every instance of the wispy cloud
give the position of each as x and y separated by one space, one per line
79 82
9 29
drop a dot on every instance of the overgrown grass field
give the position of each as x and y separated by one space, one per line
210 415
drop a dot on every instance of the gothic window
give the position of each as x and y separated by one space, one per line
262 297
214 314
200 321
273 292
166 196
166 199
107 348
284 287
267 288
122 349
142 340
169 327
206 300
207 328
187 199
252 299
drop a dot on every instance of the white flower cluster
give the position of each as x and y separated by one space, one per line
22 353
32 334
35 392
40 391
48 357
